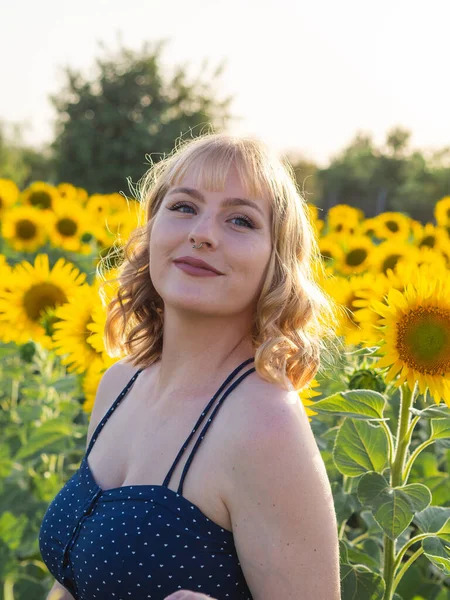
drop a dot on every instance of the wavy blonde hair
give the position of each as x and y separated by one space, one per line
294 319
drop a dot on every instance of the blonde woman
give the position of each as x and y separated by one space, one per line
202 477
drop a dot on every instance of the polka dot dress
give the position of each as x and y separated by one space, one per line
139 542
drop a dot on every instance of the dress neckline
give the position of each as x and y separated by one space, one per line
135 491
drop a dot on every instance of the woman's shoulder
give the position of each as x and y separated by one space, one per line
111 383
263 406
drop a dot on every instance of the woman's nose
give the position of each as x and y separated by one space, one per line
204 230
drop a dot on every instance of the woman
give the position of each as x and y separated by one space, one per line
217 308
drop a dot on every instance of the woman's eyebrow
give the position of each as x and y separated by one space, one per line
226 202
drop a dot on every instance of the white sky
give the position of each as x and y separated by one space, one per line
305 76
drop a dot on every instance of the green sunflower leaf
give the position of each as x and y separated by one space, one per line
5 461
434 519
50 432
438 552
360 447
440 428
439 411
392 508
360 583
356 404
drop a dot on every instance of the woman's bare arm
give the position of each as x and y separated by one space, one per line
59 592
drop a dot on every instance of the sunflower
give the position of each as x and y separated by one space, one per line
305 396
31 294
117 203
341 289
369 228
67 224
442 211
106 290
120 225
330 248
344 219
90 384
375 287
426 255
393 225
5 277
428 235
367 288
67 191
444 250
414 335
25 228
386 255
40 195
356 256
9 193
71 337
107 204
313 215
313 211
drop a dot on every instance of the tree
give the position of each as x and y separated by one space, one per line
392 177
106 126
19 162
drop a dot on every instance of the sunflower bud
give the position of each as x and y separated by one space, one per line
366 379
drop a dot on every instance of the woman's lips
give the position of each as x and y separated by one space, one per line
197 271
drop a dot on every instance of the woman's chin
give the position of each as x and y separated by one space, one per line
193 303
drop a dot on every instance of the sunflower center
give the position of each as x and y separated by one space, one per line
390 262
424 340
1 202
429 241
40 199
42 296
326 255
356 257
392 226
25 229
67 227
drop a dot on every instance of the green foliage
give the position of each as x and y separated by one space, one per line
392 177
392 508
360 447
392 514
106 126
19 162
43 432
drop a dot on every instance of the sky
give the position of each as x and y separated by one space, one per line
304 76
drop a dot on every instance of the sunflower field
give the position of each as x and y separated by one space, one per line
381 420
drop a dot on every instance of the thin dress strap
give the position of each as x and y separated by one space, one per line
112 408
202 416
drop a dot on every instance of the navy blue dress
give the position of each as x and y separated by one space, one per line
138 542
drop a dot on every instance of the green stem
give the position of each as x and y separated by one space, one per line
359 538
396 478
8 588
342 529
406 566
411 427
413 457
408 544
390 440
388 571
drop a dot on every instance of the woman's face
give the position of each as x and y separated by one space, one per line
236 241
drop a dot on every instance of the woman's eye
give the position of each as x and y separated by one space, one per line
246 220
179 205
